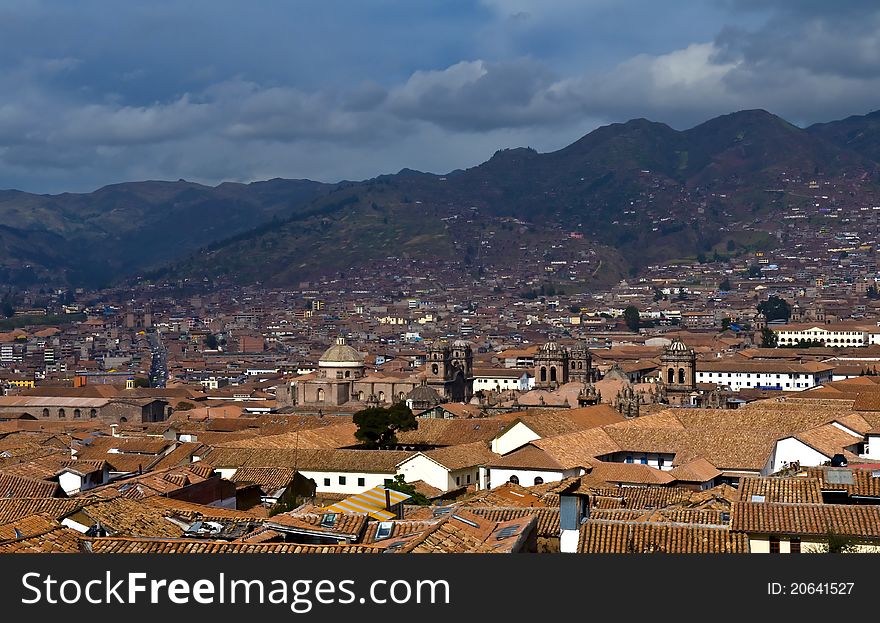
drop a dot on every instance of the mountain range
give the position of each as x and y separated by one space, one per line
640 192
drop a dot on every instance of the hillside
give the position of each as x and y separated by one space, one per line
95 238
639 192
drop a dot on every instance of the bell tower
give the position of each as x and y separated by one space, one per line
678 365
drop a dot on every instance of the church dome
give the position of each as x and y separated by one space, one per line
677 346
550 347
462 344
341 355
424 394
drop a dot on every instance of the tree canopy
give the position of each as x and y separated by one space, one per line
775 308
399 484
377 427
632 317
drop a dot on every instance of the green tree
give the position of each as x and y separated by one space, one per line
839 544
754 271
775 308
632 318
724 286
377 426
6 307
211 342
399 484
768 338
140 381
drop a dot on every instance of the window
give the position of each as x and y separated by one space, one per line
434 368
681 375
670 376
61 413
347 374
362 482
514 479
774 545
795 546
469 479
629 459
553 374
643 460
326 482
92 413
46 412
458 481
539 480
342 480
320 394
383 531
381 396
543 375
77 413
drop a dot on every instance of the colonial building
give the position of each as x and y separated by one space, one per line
342 379
678 367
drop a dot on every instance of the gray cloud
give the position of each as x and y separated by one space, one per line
76 112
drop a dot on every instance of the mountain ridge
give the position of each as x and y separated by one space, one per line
610 184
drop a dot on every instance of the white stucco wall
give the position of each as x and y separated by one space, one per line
498 476
518 436
420 467
351 485
873 449
790 449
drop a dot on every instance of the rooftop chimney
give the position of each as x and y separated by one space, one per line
113 430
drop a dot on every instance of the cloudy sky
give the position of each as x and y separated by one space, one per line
94 92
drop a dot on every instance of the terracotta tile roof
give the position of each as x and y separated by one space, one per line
345 524
624 537
462 456
548 518
191 511
15 508
664 515
399 529
698 470
779 489
578 449
527 457
630 473
368 461
56 541
465 532
854 481
506 495
849 520
186 546
269 478
126 517
29 525
19 487
828 439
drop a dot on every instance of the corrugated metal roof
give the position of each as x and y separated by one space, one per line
371 502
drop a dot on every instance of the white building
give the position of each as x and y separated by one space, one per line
783 375
503 379
841 334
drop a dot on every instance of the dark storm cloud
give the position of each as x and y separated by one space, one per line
105 91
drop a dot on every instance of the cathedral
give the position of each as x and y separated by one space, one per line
342 379
556 365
